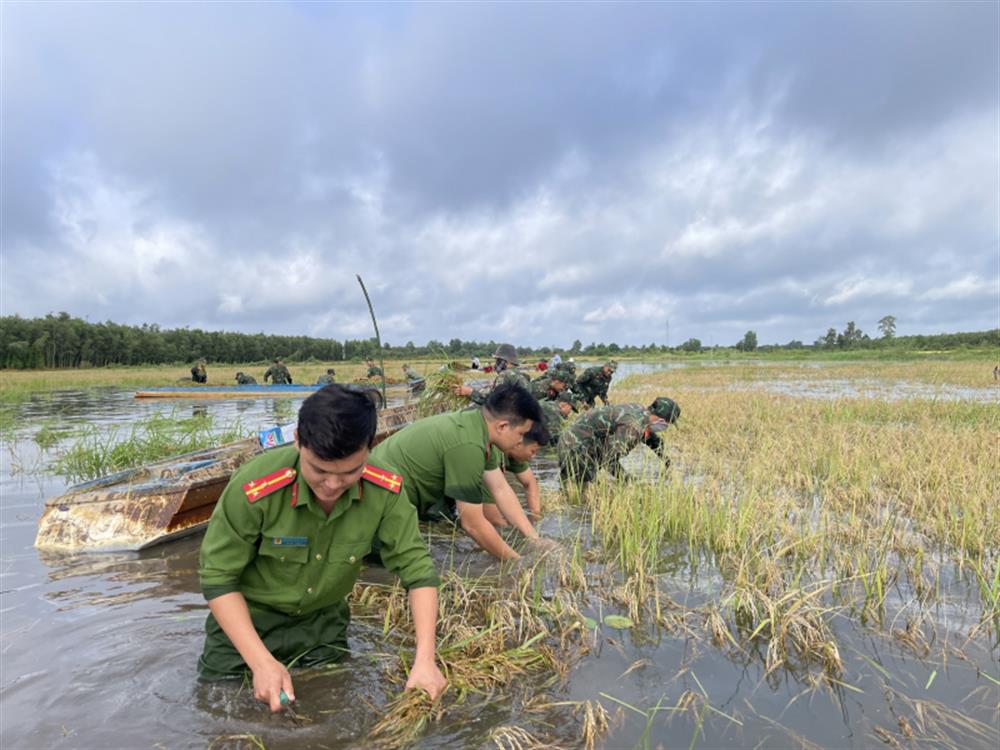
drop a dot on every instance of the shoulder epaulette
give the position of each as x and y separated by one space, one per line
255 489
383 478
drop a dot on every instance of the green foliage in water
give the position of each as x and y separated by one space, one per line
100 450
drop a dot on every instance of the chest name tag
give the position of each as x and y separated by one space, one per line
291 541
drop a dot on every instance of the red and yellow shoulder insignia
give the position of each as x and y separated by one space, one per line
383 478
255 489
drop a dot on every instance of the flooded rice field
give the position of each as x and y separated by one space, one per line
819 568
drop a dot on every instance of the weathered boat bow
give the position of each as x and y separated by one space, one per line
140 507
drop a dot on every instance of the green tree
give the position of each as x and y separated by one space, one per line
691 345
887 326
749 342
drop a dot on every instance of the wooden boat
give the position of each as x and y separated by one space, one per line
229 391
140 507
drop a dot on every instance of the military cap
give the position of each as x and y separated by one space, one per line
611 365
507 352
567 397
666 408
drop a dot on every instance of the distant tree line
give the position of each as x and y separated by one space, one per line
59 341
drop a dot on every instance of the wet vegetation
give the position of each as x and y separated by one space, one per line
96 451
812 571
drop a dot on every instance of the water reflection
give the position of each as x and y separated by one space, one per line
100 650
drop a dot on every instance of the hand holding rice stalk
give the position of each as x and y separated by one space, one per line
439 395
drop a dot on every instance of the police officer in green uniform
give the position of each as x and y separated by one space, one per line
518 462
602 436
450 462
327 378
285 544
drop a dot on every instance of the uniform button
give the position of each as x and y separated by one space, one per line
309 590
319 557
282 558
351 559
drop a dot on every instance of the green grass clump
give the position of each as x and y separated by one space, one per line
100 451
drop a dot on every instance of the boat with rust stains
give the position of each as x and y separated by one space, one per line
138 508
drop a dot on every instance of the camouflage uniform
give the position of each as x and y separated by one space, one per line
553 420
198 373
602 436
510 375
278 374
541 388
244 379
593 384
567 372
325 379
374 371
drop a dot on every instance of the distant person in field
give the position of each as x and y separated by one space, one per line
475 363
603 436
374 371
198 373
243 379
505 363
414 380
278 373
996 372
327 378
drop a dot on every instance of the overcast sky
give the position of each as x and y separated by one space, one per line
535 173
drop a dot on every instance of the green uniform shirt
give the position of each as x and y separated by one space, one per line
295 559
441 456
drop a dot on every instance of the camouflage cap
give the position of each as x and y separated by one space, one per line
568 398
611 365
507 352
666 408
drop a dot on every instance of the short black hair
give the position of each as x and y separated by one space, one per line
512 402
538 433
336 422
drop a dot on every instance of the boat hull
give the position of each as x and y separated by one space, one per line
142 507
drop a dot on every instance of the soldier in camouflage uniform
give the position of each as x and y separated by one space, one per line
244 379
604 435
555 413
278 373
507 372
548 386
594 383
327 378
374 371
198 372
566 371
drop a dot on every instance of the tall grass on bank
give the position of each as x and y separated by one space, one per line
100 451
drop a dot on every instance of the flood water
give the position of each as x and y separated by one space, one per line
100 650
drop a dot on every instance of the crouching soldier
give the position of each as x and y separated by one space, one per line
243 379
285 544
602 436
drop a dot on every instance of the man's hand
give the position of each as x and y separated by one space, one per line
462 390
269 679
543 545
426 676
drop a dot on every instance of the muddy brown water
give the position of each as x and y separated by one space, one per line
99 650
